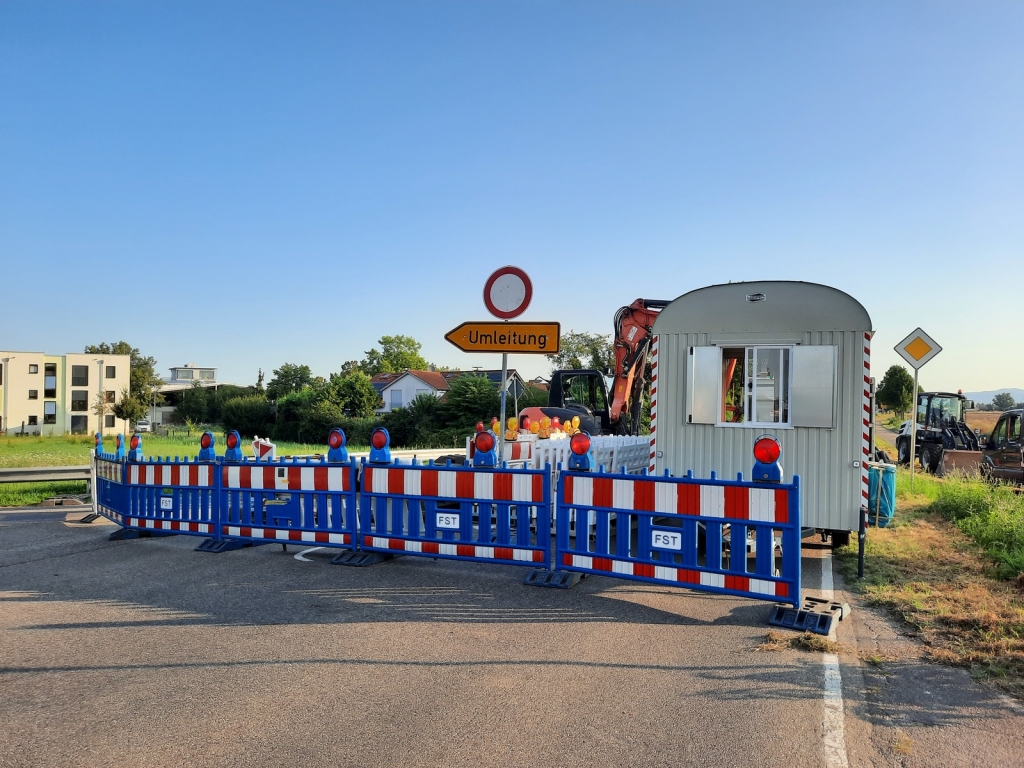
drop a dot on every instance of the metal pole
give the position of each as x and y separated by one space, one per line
862 536
871 423
99 388
501 419
913 431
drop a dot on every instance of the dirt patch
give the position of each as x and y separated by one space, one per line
808 641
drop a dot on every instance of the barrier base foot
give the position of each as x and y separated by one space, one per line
135 533
220 545
539 577
90 518
816 615
360 559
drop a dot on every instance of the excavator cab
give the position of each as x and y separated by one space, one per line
580 392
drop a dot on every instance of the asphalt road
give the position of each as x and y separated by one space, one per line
146 653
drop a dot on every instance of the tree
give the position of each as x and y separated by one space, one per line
194 405
289 378
356 394
470 399
143 381
533 396
396 353
128 408
896 392
349 366
1003 401
250 415
584 350
99 407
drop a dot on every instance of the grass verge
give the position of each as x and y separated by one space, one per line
936 566
28 494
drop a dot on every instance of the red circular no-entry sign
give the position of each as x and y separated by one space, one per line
507 292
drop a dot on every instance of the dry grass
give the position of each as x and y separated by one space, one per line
808 641
983 420
941 583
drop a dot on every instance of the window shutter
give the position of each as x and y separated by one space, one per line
812 392
704 381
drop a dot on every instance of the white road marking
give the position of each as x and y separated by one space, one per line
833 735
299 556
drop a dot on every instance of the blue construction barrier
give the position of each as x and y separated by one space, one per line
301 499
172 495
655 529
229 499
461 513
732 537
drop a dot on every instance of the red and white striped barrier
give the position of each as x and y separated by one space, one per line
192 475
494 485
685 576
286 534
767 504
511 554
279 477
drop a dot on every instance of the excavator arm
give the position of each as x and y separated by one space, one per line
632 342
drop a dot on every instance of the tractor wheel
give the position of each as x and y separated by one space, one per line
903 452
930 458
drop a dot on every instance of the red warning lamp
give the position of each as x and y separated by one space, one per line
135 442
484 441
767 449
579 443
206 440
479 426
379 439
526 424
232 441
336 440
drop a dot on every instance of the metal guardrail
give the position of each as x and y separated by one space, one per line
43 474
60 474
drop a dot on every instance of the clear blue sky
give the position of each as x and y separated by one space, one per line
247 184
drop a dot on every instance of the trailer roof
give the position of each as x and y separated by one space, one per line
786 305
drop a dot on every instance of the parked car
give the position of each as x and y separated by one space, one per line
142 426
1003 456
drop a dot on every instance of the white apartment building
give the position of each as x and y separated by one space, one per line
44 394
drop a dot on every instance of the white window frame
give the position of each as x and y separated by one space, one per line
748 395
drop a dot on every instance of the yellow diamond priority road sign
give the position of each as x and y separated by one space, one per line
535 338
918 348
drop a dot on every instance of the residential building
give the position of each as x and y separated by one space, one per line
182 377
57 394
400 389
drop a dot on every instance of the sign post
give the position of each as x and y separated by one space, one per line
507 294
917 349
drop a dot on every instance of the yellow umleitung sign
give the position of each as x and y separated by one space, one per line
518 338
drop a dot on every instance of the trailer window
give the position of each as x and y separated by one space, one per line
755 386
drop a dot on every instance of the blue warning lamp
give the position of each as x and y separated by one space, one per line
206 450
336 450
581 457
135 454
233 443
485 455
767 469
380 446
119 451
99 443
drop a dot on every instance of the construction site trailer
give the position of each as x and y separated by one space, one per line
789 359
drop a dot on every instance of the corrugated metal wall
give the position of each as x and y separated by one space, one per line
831 485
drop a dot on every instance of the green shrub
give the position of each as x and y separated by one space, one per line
250 415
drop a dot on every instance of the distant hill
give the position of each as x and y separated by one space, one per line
986 397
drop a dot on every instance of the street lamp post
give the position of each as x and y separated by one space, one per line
100 411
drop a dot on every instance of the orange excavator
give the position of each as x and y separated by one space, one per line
584 392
